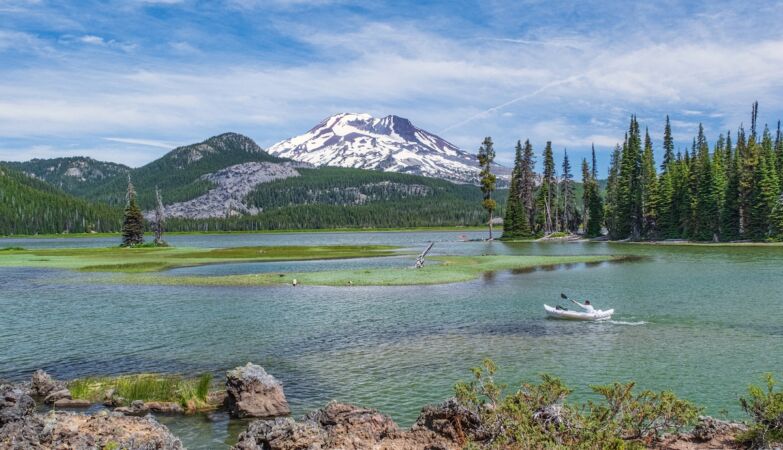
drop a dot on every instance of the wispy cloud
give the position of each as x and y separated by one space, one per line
561 76
147 142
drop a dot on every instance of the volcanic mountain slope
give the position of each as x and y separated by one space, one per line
390 144
73 175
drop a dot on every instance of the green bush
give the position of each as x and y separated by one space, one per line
765 408
539 416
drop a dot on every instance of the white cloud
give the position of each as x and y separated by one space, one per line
146 142
568 90
92 39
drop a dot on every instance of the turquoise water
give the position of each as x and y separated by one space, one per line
703 321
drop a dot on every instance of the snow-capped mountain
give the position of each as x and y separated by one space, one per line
391 144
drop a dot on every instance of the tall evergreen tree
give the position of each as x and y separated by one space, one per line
668 145
567 195
649 184
527 183
629 198
486 156
594 165
779 154
133 223
730 218
612 187
545 203
515 222
586 178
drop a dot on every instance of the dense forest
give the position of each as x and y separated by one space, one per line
74 175
30 206
334 197
727 193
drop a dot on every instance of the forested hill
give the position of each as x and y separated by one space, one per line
332 197
74 175
178 173
30 206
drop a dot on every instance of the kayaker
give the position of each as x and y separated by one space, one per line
586 306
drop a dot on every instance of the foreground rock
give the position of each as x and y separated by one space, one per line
140 408
349 427
21 428
251 392
42 385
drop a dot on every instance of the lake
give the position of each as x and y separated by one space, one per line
702 321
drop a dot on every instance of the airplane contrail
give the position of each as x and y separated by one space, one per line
543 88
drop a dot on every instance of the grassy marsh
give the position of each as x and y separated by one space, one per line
440 270
135 260
191 394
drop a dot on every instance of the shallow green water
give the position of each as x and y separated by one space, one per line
703 321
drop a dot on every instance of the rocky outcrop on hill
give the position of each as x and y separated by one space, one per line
232 185
344 426
251 392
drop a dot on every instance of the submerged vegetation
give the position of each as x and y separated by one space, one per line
191 394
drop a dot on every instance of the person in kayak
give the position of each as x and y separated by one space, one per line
586 306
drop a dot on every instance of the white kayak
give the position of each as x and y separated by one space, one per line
566 314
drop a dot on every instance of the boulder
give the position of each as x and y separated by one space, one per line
340 426
15 405
708 428
251 392
42 384
78 431
54 396
140 408
451 420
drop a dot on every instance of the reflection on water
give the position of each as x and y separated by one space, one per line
683 315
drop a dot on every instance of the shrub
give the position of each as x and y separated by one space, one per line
539 416
765 408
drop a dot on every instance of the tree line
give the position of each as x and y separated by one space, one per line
728 192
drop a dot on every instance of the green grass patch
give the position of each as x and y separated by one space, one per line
191 394
151 259
440 270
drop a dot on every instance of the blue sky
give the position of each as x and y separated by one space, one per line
127 81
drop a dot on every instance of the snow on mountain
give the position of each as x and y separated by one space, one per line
391 144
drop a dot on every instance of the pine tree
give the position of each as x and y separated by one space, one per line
133 223
730 212
649 190
545 203
668 145
527 184
629 198
486 155
706 212
594 165
776 220
586 178
593 208
567 196
779 154
612 187
515 222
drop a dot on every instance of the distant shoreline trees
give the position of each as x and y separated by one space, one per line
733 191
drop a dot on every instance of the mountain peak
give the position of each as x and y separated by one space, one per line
391 143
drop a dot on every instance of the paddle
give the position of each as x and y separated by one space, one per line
565 297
